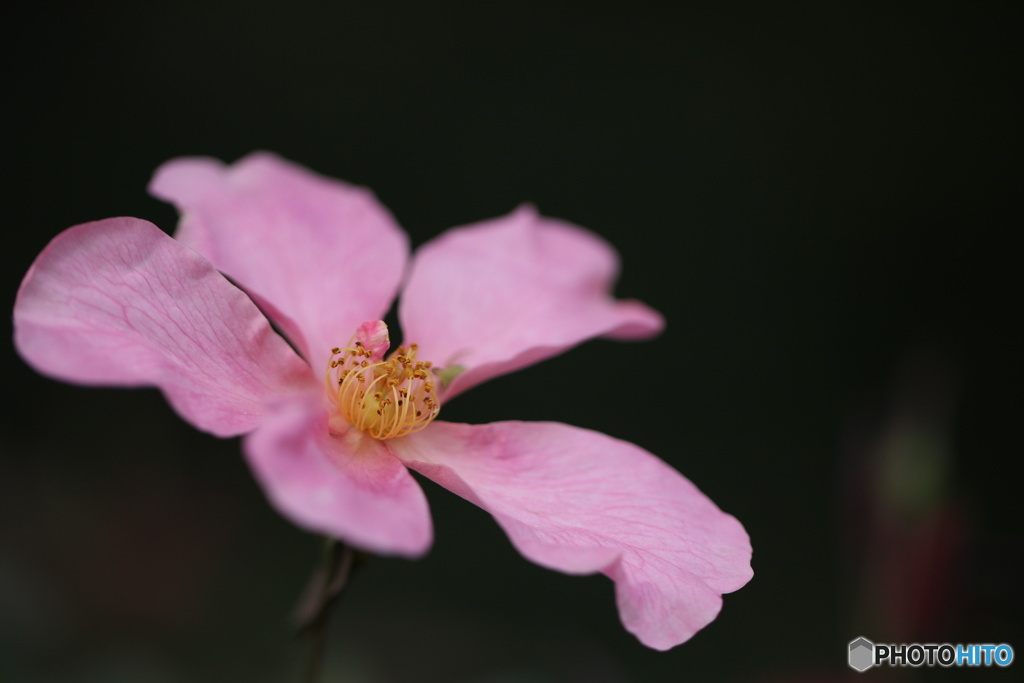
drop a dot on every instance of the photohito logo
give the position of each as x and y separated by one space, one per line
863 654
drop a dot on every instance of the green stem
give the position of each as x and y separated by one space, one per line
331 577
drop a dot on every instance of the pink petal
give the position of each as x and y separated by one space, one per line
374 337
319 255
348 486
118 302
503 294
580 502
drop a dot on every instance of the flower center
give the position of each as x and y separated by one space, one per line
386 399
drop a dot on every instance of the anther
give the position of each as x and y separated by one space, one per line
379 396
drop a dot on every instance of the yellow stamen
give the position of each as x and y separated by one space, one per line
371 395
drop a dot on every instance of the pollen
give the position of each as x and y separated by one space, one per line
387 398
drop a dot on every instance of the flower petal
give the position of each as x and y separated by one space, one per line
374 336
503 294
118 302
348 486
319 255
579 502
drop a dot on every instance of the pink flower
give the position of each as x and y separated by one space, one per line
330 430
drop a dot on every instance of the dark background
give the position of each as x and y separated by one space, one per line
818 197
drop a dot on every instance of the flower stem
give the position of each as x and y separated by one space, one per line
338 564
315 634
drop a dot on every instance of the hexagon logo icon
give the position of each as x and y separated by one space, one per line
862 654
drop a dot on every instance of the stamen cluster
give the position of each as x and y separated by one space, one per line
386 399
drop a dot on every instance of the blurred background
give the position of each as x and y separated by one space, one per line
818 197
